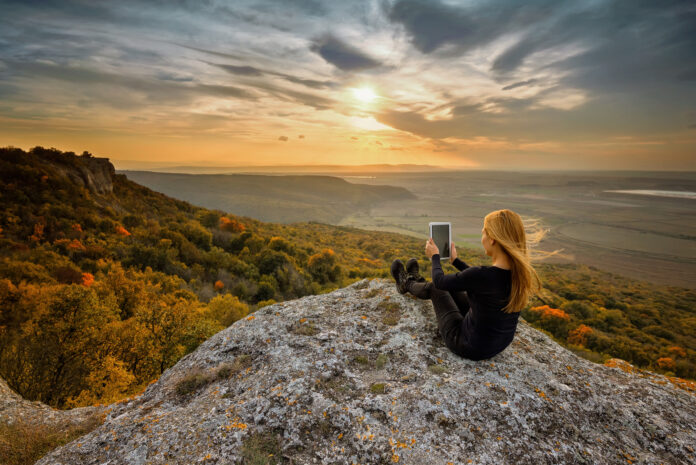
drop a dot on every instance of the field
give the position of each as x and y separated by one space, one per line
643 237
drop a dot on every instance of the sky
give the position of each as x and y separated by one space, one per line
494 84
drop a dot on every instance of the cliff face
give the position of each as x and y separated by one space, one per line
93 173
359 375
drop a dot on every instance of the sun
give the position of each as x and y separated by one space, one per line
364 94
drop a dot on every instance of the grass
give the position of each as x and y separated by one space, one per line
437 369
382 360
198 379
262 449
22 443
371 293
338 388
192 383
391 312
304 328
378 388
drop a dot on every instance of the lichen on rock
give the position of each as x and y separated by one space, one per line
323 379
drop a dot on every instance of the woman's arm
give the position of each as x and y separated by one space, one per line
467 279
459 264
454 259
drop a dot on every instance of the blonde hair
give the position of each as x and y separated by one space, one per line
509 230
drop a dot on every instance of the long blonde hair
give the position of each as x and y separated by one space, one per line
509 230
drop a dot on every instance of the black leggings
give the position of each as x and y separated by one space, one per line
450 309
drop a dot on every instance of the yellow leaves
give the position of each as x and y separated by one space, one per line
302 320
250 317
364 317
340 435
395 458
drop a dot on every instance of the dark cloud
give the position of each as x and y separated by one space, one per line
126 91
515 85
628 44
432 24
254 71
240 70
342 55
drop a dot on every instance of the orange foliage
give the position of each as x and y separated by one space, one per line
548 312
578 336
122 231
38 232
44 178
677 351
87 279
621 364
76 245
231 225
219 285
369 262
666 363
76 227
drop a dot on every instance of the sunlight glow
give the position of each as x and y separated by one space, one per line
364 94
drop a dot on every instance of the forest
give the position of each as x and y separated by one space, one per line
102 292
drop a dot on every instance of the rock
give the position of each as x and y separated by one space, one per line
94 173
14 408
306 397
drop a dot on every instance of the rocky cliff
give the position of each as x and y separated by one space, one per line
360 375
93 173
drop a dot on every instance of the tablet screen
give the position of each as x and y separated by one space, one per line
441 236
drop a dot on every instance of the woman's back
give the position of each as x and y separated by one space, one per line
486 329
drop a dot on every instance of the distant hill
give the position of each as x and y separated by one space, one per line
283 199
138 165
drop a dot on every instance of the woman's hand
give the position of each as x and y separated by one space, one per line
453 253
430 248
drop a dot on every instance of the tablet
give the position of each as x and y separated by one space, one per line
441 232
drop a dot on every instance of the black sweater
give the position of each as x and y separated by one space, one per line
487 329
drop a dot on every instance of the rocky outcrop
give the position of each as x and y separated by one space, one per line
95 174
360 375
14 409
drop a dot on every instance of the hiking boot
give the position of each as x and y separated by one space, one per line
413 271
399 274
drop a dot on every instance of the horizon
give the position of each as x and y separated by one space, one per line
460 85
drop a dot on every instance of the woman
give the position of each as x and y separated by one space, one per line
478 308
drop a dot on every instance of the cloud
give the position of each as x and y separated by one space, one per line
245 70
283 138
515 85
342 55
240 70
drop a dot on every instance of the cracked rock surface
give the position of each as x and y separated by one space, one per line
360 375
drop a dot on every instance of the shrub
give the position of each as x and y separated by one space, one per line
192 383
23 443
